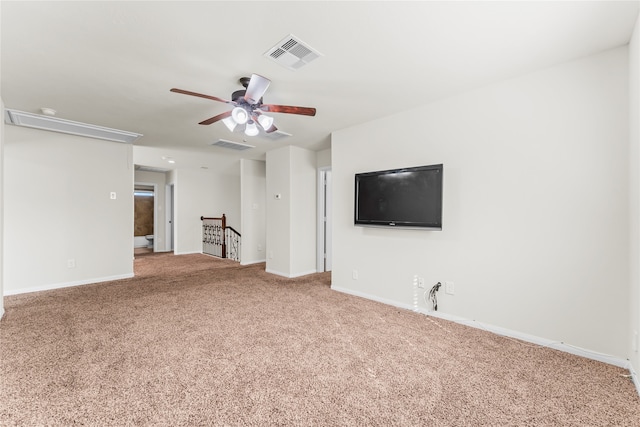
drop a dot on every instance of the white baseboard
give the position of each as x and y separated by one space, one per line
67 284
371 297
290 276
543 342
253 262
634 377
189 253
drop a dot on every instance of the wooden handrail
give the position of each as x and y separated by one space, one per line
223 218
234 230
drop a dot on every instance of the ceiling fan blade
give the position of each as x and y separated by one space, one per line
216 118
305 111
213 98
257 87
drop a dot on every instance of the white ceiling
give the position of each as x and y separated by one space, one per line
113 63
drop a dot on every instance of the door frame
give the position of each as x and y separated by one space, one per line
155 209
324 225
170 217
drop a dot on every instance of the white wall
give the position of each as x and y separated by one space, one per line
323 158
535 228
203 192
278 212
303 211
253 208
57 208
1 212
159 229
634 196
291 219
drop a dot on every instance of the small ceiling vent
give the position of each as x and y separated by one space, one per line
232 145
143 168
277 135
292 53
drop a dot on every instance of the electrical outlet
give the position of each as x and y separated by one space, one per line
113 195
354 274
270 254
421 282
71 263
259 248
449 288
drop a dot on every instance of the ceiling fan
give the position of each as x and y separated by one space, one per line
248 108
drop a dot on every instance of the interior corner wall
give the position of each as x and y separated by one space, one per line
62 228
203 192
323 158
535 229
253 211
291 211
634 196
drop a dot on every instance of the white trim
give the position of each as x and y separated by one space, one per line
634 376
253 262
68 284
543 342
1 313
169 217
189 252
290 276
323 193
371 297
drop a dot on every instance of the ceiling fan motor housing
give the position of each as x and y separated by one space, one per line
238 95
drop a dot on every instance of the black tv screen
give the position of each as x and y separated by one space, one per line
408 197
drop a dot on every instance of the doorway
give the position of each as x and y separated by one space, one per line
145 217
170 230
324 226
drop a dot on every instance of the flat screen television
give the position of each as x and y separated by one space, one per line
407 198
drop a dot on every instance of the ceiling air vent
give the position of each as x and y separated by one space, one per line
276 135
55 124
292 53
143 168
232 145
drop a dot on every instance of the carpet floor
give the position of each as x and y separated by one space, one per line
194 340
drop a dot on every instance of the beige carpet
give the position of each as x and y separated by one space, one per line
198 341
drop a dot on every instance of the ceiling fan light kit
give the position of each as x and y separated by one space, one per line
230 123
251 129
248 107
265 121
240 115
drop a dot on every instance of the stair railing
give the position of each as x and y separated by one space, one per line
219 239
